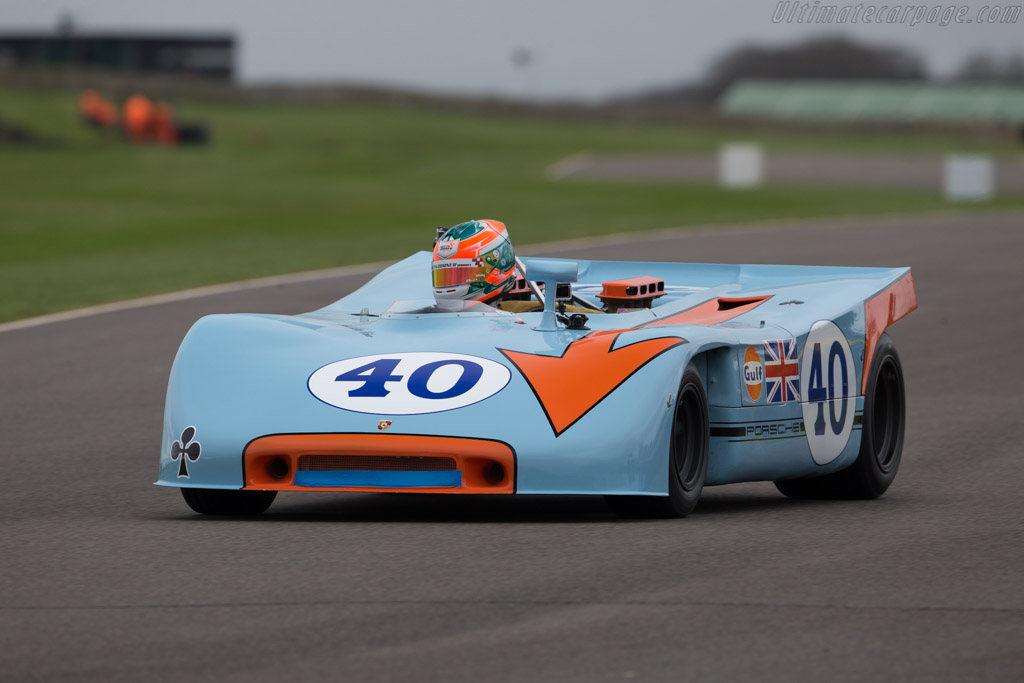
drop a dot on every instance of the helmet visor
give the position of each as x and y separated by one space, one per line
460 272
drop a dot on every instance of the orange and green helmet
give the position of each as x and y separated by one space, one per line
473 261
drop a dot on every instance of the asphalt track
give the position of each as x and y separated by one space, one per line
912 173
105 577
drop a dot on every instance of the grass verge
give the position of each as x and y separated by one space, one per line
297 187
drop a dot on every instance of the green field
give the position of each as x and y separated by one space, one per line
298 187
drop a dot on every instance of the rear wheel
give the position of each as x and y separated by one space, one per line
881 441
687 461
228 502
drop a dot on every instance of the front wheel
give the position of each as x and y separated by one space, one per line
881 441
228 502
687 461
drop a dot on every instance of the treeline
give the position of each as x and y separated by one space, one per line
828 58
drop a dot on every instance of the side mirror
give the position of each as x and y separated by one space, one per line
551 273
550 270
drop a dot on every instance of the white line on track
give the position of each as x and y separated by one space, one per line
536 249
563 168
195 293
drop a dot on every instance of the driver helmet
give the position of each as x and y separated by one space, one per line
473 261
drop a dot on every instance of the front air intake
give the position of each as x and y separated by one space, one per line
378 462
375 463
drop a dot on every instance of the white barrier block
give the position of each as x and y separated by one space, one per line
740 165
968 177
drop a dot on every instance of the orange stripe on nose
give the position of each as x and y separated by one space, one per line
570 385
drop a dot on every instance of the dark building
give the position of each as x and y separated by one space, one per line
206 55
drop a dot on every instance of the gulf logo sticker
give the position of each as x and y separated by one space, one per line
753 373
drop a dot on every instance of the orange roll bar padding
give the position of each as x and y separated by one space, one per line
881 311
478 459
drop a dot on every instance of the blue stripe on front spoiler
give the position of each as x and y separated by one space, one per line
382 478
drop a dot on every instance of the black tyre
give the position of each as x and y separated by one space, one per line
881 442
687 461
227 502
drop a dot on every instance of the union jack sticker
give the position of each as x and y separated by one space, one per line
781 370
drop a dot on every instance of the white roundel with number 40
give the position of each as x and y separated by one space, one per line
828 384
410 383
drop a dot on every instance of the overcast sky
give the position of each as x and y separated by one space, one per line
581 49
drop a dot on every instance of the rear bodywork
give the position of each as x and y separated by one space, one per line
781 351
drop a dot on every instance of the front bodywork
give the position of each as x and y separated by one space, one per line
565 412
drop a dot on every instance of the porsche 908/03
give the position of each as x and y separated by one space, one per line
683 375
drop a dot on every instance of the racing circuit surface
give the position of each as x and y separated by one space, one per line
106 577
918 173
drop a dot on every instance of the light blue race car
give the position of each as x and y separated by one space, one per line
641 382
